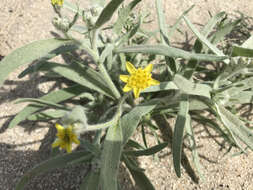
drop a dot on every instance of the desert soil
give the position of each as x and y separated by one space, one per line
24 146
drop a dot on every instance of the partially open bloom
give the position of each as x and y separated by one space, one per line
138 80
57 2
66 136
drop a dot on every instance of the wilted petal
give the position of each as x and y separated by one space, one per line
149 68
124 78
130 67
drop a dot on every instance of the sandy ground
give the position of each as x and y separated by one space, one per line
22 147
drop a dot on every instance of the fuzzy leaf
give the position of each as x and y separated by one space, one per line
123 16
148 151
110 158
56 162
130 121
188 87
43 49
237 126
169 51
90 181
177 140
139 177
107 12
55 96
240 51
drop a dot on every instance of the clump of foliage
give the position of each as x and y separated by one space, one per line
112 104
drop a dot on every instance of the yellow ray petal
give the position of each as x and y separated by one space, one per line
69 130
60 130
130 68
75 140
154 82
127 88
56 143
137 92
68 147
124 78
59 127
149 68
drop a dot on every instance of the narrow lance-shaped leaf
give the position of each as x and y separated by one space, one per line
163 86
197 47
162 23
47 115
191 137
191 88
205 41
236 125
55 96
123 15
56 162
212 23
107 12
177 140
84 76
130 121
90 181
224 30
169 51
139 176
241 51
175 26
42 103
148 151
43 49
110 158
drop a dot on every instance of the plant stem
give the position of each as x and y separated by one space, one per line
108 80
101 66
109 123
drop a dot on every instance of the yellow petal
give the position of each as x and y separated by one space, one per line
56 143
59 127
127 88
68 147
124 78
75 140
60 130
137 92
149 68
69 130
130 68
154 82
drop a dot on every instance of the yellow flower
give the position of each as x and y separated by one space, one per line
66 137
57 2
138 80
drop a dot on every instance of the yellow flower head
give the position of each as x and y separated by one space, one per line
138 80
57 2
66 137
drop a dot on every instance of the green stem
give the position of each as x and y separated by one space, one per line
94 34
109 123
108 80
101 66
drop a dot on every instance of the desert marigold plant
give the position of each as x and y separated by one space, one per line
87 98
139 79
66 136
